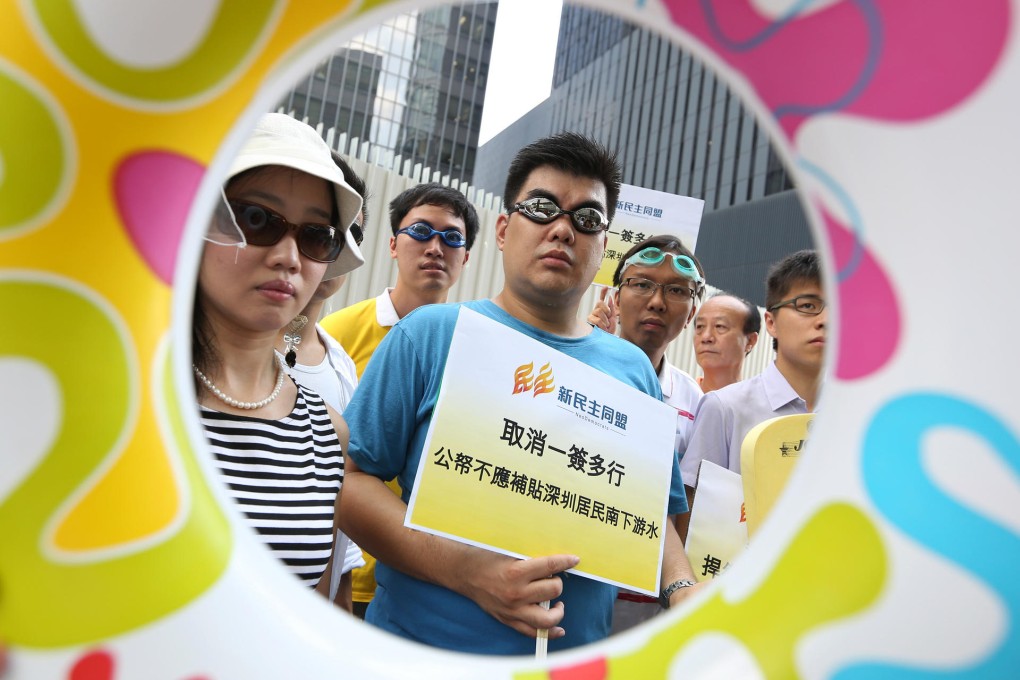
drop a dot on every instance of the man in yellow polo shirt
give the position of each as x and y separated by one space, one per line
434 228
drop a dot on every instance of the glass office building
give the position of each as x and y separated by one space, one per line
413 86
676 126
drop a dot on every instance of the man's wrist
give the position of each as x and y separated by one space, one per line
668 591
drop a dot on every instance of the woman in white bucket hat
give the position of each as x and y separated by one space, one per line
281 229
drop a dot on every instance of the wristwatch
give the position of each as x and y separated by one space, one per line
672 588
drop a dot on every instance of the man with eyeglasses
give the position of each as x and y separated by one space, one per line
658 283
560 195
796 316
434 228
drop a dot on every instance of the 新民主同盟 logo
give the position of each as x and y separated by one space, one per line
525 379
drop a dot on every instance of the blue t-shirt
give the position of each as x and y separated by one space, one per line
389 418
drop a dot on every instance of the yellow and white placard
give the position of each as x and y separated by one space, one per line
767 458
642 213
531 452
718 529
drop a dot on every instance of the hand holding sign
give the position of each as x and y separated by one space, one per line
507 588
604 314
510 589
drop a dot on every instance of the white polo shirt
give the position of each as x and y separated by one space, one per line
682 392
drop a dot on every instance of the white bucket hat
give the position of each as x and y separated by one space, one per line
281 140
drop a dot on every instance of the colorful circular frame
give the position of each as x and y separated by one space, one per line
891 555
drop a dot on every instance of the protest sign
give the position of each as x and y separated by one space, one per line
767 457
531 452
641 213
718 531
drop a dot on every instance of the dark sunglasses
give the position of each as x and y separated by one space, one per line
544 211
423 231
264 227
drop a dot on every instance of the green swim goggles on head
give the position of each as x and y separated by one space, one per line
650 257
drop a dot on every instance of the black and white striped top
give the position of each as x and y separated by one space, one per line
285 474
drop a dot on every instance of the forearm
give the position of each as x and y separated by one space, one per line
683 520
676 566
322 587
373 516
509 589
345 594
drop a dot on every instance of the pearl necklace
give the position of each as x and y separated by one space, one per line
246 405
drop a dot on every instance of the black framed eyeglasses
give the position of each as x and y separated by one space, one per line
543 210
809 305
423 231
262 226
677 292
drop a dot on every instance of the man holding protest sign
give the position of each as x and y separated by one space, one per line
560 195
658 283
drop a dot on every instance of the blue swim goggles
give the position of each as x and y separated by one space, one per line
650 257
423 231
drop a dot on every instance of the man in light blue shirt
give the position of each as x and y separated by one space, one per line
796 316
560 197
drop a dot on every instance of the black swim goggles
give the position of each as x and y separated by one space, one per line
543 210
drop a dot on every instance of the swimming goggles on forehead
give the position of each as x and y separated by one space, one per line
650 257
543 211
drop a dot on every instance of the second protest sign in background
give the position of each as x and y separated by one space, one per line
642 213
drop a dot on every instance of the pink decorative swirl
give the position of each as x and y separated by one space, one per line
869 315
885 59
154 191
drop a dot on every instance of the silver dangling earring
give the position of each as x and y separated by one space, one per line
293 338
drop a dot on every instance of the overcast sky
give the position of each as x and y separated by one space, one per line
521 68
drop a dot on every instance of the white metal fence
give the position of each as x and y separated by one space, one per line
387 175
